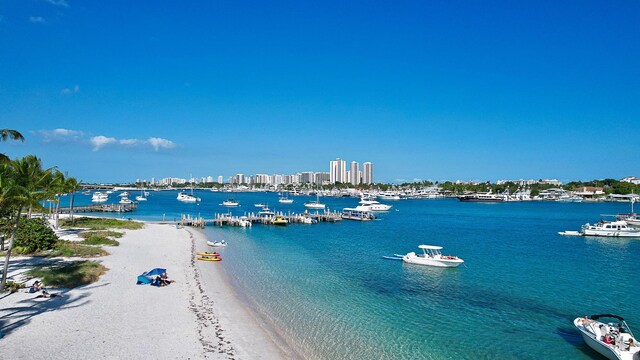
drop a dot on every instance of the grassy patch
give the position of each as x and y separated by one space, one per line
100 240
102 224
107 233
74 249
69 275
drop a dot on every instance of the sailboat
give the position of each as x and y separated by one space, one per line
141 197
184 197
315 204
284 199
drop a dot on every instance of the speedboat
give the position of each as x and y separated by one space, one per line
432 256
217 243
99 197
614 341
124 194
611 229
184 197
244 221
279 220
372 205
125 200
230 203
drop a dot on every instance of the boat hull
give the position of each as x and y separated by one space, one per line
433 262
599 346
612 233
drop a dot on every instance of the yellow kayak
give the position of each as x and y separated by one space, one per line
210 258
205 253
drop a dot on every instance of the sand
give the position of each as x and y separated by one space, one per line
196 317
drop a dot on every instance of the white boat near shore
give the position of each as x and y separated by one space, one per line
614 341
610 229
372 205
431 256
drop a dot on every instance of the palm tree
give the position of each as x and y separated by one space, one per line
6 134
72 185
23 187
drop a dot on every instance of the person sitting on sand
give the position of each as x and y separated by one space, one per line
164 280
46 294
35 287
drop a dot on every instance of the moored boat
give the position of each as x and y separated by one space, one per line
482 197
614 341
217 243
186 198
279 220
230 203
432 256
610 229
372 205
357 214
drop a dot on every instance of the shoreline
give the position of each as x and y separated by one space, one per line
199 316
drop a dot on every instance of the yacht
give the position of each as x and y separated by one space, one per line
125 201
99 197
266 212
615 342
315 204
389 196
284 199
186 198
124 194
610 229
230 203
357 214
482 197
372 205
432 256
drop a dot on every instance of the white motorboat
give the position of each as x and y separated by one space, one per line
432 256
217 243
389 196
125 201
482 197
610 229
315 204
186 198
230 203
614 341
284 199
372 205
124 194
243 221
259 205
99 197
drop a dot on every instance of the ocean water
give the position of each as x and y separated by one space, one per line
327 290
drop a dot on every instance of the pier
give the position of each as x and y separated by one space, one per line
251 218
100 208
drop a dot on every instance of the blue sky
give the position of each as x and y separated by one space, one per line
480 90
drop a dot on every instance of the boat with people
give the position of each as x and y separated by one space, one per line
618 228
609 335
230 203
315 204
431 256
357 214
372 205
217 243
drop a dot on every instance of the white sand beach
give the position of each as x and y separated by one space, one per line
196 317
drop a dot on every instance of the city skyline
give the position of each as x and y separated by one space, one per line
120 90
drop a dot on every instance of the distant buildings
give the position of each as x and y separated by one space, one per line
631 179
337 171
367 173
521 182
354 173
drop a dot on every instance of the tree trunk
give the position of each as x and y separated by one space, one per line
30 211
6 260
57 210
71 207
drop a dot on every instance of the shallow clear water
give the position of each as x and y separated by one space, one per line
328 290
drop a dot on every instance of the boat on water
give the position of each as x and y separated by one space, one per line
99 197
315 204
284 199
570 233
609 335
482 197
357 214
611 229
186 198
569 198
142 195
632 219
266 212
389 196
372 205
86 192
432 256
217 243
124 194
125 201
279 220
259 205
230 203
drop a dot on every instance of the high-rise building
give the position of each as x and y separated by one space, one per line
209 179
338 171
367 173
322 178
220 179
354 178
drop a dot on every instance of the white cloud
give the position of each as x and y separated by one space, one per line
63 135
72 90
62 3
130 142
37 19
160 143
100 141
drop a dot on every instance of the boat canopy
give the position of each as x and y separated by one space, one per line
430 247
596 317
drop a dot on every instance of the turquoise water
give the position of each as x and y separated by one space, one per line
326 288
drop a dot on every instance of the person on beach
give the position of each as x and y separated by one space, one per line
46 294
35 287
164 280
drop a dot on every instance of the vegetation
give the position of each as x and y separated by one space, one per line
74 249
103 224
69 275
33 235
13 286
100 240
108 233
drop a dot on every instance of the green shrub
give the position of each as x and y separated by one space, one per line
33 235
74 249
107 233
102 223
100 240
69 275
13 286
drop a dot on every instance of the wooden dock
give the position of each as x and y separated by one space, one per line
249 219
100 208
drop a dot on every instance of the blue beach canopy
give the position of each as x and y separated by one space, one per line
147 277
156 271
144 280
